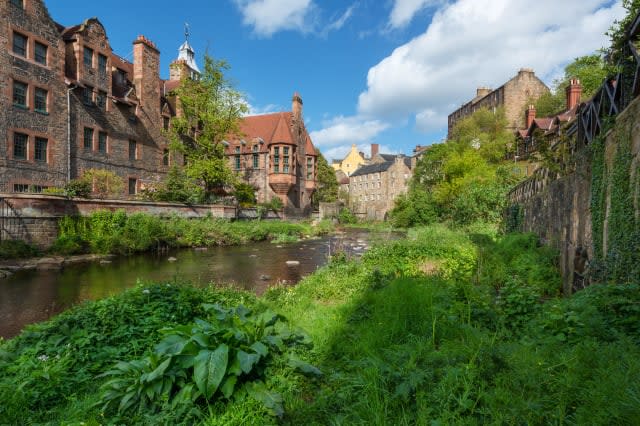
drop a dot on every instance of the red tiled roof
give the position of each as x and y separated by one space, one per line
270 127
543 123
170 85
309 148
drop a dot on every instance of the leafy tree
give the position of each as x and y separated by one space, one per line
327 189
177 188
463 180
105 183
591 70
210 110
617 32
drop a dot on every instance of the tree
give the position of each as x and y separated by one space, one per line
591 70
209 110
327 183
105 183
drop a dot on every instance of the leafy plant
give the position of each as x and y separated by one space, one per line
225 357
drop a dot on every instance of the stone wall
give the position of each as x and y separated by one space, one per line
558 209
34 218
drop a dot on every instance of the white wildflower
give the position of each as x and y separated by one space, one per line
146 291
43 358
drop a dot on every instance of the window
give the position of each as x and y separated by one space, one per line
38 188
19 94
102 142
276 160
18 3
309 168
165 122
40 100
133 184
87 95
102 64
133 150
20 187
88 57
256 159
101 99
285 166
237 160
40 53
20 146
121 78
165 157
88 138
19 44
40 153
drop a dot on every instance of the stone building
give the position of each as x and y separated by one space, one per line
546 131
274 153
373 188
68 103
34 148
513 96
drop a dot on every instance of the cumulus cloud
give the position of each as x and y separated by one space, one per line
472 43
270 16
404 10
346 131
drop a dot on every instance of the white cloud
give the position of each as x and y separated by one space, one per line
339 23
404 10
346 131
258 110
270 16
472 43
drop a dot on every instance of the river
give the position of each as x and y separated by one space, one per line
32 296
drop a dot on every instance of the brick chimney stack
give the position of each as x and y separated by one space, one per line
574 91
481 92
146 74
531 115
296 106
375 149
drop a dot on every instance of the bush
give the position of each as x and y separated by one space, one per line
78 188
17 249
105 183
347 217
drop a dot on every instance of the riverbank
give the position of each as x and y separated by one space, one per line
444 326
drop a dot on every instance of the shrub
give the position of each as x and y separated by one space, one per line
105 183
78 188
17 249
346 216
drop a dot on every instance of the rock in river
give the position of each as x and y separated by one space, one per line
293 263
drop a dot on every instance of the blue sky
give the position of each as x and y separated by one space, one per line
368 71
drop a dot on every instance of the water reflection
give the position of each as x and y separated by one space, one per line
33 296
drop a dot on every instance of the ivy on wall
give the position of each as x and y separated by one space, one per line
621 261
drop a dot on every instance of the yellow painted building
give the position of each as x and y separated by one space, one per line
351 162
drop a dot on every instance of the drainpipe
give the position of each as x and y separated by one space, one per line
69 90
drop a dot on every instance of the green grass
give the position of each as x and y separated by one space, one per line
443 327
114 232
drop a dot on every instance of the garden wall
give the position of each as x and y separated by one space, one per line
34 218
592 215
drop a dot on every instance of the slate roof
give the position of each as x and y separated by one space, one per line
373 168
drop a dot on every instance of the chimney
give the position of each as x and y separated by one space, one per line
481 92
531 115
375 149
146 74
296 106
574 91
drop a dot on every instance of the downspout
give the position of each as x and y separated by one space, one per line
69 90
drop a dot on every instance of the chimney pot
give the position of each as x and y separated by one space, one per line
574 92
375 149
296 106
531 115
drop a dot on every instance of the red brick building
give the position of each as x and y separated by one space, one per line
275 154
68 103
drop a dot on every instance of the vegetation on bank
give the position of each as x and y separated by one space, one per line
443 327
118 233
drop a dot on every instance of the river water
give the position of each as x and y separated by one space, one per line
33 296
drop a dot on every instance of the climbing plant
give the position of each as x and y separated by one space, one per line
617 254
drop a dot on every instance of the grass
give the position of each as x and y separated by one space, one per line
479 337
114 232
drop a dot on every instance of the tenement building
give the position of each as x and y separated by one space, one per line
68 103
513 95
374 187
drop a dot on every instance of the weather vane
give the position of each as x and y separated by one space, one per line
187 31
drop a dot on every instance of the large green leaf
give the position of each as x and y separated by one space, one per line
209 369
304 367
247 361
171 345
159 371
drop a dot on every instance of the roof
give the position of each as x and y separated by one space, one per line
373 168
273 128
